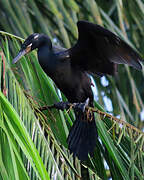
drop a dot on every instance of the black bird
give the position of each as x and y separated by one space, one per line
97 51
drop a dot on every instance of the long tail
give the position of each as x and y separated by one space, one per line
82 136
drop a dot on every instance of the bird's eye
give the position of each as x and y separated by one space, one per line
35 37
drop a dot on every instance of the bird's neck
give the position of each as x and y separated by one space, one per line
47 59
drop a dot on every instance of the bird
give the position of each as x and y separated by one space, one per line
97 51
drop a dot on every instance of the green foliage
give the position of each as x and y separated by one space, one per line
25 153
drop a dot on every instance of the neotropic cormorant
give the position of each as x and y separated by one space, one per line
97 51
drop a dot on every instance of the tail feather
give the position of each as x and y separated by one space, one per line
82 137
72 134
76 141
73 139
82 146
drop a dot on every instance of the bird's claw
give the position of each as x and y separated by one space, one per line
80 107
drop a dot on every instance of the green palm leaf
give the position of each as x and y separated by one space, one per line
25 153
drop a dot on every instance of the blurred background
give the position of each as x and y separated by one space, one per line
31 134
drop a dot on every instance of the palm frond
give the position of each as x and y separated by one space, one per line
27 87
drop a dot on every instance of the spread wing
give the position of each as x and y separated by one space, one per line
99 51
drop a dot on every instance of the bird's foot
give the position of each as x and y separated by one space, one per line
80 107
62 105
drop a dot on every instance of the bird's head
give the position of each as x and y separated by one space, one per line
32 42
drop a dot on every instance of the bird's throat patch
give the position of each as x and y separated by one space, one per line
28 49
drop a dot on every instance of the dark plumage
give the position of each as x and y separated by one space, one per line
97 51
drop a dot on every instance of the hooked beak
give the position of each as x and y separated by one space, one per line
21 54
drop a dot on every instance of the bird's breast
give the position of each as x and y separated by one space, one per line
73 82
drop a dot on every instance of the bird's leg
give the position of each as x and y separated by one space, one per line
66 105
59 105
79 107
62 105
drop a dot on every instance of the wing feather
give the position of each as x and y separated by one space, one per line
99 51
